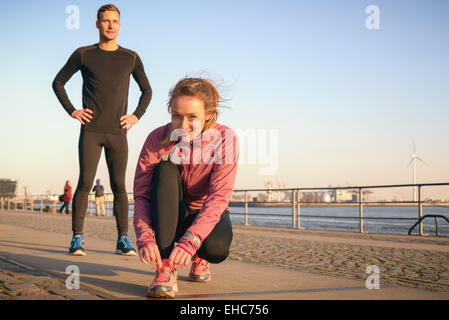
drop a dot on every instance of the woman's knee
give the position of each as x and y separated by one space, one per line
166 173
215 247
167 168
214 251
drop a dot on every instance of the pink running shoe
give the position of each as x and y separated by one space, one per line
200 270
165 284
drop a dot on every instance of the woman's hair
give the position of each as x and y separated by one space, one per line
202 89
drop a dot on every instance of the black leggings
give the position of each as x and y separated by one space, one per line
66 206
171 217
116 152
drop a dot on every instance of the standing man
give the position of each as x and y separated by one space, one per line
106 68
99 198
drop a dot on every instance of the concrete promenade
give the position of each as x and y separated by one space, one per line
264 264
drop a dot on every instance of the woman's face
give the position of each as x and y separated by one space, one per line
189 113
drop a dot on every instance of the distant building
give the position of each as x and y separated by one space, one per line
346 195
7 188
343 195
326 197
316 196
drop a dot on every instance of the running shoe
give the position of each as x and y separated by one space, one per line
124 246
200 270
165 283
77 245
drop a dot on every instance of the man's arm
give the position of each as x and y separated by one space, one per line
144 85
67 71
128 121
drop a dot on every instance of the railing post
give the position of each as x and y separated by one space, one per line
420 210
298 211
246 208
107 205
437 230
293 208
42 204
361 210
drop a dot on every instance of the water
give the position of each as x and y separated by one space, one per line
390 220
393 220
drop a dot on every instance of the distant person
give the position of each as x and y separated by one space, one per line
66 197
181 211
99 198
106 68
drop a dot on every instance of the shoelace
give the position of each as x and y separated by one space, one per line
126 242
77 242
163 276
199 265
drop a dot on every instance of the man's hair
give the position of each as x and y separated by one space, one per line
107 7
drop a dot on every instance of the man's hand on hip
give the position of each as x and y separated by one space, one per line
82 115
127 122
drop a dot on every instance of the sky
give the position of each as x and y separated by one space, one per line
318 96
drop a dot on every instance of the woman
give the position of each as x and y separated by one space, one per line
183 183
67 197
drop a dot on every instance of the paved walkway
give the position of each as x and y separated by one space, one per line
21 282
105 275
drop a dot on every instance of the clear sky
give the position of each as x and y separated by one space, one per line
341 103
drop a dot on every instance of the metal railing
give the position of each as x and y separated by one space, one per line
435 216
296 203
50 203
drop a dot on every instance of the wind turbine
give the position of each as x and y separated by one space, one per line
414 158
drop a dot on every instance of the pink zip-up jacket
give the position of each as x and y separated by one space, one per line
208 170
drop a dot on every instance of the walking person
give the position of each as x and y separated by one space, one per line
99 198
182 188
66 198
106 68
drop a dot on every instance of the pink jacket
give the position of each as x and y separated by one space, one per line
207 173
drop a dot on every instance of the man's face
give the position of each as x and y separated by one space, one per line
109 25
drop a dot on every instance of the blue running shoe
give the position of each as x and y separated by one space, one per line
124 246
77 246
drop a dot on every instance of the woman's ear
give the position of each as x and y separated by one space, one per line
208 114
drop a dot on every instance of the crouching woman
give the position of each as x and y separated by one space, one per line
183 183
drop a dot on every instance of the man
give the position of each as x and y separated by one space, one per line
99 198
106 68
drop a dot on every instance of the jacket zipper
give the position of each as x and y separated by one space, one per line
189 174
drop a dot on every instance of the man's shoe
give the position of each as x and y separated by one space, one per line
165 283
77 246
200 270
124 246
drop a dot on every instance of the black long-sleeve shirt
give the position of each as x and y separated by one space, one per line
106 76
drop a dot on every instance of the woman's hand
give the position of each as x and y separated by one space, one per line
150 253
179 256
